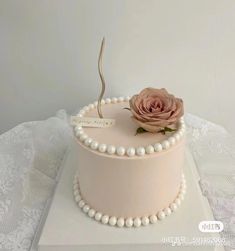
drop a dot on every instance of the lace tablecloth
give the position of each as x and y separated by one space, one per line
31 156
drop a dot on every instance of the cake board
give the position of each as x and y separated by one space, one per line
67 228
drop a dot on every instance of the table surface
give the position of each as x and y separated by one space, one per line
67 228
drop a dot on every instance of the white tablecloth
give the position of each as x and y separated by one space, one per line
32 152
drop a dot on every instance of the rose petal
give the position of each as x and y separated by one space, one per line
155 108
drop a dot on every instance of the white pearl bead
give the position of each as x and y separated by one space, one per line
81 203
158 147
91 213
182 176
120 99
181 196
127 98
149 149
121 151
183 186
183 191
183 183
79 133
91 106
111 149
81 112
107 100
182 119
78 128
98 216
112 221
94 145
95 103
102 102
181 131
140 151
153 219
173 207
145 221
86 108
77 198
88 141
83 137
105 219
172 140
130 151
165 144
102 148
177 136
75 188
167 211
129 222
177 201
79 115
120 222
114 100
76 192
137 222
161 215
86 208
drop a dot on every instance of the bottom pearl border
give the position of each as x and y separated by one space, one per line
128 222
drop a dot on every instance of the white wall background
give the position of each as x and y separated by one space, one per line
49 49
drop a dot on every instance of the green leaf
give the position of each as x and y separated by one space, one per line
166 129
140 130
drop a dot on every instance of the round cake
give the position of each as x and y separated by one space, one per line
127 175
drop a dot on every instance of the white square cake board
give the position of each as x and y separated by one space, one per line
68 229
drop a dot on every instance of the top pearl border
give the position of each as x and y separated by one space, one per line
120 150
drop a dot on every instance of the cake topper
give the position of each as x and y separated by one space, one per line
101 122
100 68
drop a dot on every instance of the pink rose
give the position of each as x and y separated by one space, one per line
154 109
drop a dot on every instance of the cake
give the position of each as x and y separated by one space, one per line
131 173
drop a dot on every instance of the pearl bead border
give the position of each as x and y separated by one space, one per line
130 221
120 150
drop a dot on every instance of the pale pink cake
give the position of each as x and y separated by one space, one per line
123 186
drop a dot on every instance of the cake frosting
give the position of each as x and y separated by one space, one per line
126 179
